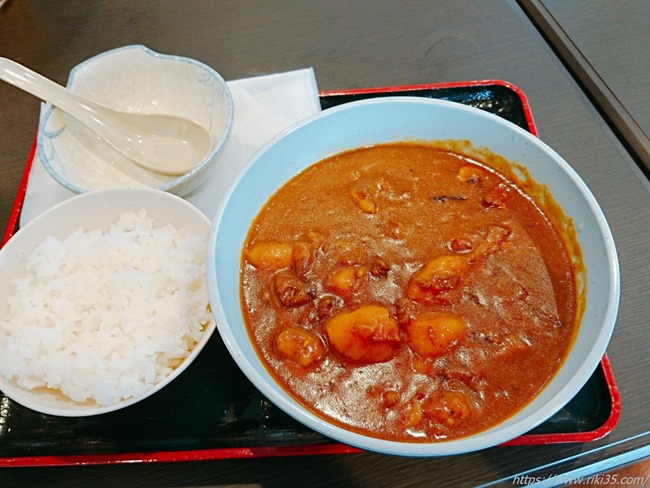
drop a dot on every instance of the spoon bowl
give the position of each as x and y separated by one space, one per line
165 143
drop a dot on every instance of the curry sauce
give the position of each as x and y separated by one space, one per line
408 292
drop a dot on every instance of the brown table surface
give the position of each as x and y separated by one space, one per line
354 45
605 45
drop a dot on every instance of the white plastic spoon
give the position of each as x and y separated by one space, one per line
163 143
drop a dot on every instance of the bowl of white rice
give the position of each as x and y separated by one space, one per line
103 301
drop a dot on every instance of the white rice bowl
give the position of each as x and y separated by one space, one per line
103 301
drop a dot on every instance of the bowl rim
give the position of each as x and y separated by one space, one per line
475 442
23 396
172 184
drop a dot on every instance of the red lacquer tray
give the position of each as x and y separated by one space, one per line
212 411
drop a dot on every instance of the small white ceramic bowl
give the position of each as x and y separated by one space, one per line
134 79
92 210
396 119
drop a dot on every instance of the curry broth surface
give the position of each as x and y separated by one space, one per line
368 221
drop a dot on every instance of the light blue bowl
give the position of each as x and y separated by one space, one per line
134 79
397 119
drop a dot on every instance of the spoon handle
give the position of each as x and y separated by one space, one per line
49 91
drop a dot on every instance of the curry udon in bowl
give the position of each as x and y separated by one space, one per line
410 277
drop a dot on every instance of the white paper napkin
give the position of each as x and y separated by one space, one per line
264 107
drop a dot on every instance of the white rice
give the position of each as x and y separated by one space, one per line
104 316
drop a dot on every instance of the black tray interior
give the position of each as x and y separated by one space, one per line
212 404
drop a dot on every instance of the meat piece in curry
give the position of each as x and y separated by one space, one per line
408 292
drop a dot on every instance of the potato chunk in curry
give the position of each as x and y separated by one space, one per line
433 334
300 346
366 335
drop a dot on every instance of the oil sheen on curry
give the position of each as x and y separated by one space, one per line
407 292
